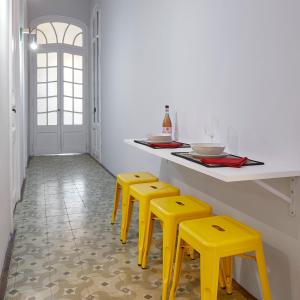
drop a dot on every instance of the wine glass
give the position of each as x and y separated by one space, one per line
210 128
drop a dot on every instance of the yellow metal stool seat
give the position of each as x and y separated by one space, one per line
123 182
215 238
171 211
144 193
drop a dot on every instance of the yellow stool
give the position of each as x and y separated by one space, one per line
144 193
171 211
123 182
215 238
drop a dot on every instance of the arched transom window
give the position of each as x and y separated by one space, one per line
59 33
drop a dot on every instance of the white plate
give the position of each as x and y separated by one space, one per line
195 154
159 138
158 142
208 148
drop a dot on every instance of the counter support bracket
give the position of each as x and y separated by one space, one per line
290 200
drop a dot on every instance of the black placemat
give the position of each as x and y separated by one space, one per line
188 156
145 143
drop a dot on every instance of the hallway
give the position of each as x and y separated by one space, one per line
66 248
82 79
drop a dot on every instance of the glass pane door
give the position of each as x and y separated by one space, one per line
72 89
58 89
47 121
46 89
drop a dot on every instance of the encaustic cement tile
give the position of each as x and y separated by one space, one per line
66 247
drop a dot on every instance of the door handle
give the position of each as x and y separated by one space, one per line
14 110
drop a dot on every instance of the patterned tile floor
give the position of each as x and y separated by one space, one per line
66 248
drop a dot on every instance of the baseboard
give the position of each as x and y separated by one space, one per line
243 291
21 195
5 270
23 189
101 165
8 254
29 158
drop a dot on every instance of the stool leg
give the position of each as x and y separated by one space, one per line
177 267
191 252
130 209
143 212
209 275
169 244
227 264
262 271
116 202
148 238
127 204
222 275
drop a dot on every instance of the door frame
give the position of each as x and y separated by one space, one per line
11 36
16 103
95 127
32 77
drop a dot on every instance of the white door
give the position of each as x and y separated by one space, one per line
96 84
14 84
14 154
59 98
46 104
72 129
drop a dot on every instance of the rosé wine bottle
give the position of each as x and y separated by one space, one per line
167 124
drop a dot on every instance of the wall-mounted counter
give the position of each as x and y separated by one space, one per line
248 173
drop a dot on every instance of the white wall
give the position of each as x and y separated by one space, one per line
234 61
5 216
78 9
13 159
25 91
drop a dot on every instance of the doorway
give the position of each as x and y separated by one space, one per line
96 85
58 89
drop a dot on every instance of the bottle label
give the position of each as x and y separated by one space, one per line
167 130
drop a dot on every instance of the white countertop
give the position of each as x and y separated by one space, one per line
268 171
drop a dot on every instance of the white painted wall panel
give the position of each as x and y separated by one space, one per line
234 61
5 215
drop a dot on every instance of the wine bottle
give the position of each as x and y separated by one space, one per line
167 124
